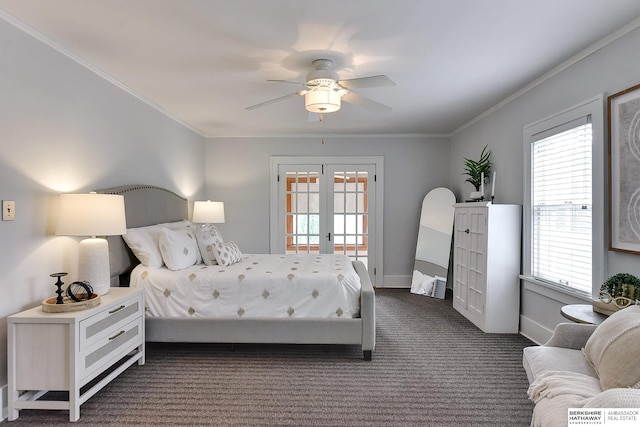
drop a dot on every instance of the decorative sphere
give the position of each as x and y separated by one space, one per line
80 291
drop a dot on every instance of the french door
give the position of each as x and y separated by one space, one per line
326 207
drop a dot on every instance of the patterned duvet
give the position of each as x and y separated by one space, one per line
268 286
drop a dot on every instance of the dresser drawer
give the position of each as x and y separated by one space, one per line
108 321
110 348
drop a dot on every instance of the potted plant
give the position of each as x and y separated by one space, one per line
476 169
618 291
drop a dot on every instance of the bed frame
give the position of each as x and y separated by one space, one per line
149 205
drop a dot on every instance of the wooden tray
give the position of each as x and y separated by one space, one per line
604 308
49 305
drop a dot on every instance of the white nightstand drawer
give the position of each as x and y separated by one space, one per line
103 324
111 347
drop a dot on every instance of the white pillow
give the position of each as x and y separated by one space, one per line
208 236
179 248
227 253
143 242
613 349
192 229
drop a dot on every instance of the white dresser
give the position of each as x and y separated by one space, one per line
66 351
486 265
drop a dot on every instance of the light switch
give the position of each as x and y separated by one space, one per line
8 210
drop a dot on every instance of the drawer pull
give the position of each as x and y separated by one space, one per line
117 309
466 231
116 335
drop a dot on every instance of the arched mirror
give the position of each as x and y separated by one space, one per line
434 243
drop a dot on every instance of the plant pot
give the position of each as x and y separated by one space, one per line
475 195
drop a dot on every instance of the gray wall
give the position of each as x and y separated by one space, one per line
238 173
606 71
65 129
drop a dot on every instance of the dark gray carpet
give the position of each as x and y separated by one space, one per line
431 367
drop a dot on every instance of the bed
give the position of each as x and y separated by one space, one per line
352 322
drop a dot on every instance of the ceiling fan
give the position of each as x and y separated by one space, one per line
323 91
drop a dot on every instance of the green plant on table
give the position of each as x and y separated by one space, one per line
475 168
622 285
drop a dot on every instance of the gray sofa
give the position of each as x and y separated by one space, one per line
585 366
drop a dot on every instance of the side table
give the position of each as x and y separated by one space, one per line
582 313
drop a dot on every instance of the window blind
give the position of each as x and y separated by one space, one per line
562 208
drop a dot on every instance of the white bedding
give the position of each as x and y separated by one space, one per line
271 286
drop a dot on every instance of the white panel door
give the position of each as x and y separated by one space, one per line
351 193
325 208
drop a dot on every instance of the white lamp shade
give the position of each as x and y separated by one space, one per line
322 100
208 212
91 215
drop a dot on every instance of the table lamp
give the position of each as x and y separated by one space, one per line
208 212
92 215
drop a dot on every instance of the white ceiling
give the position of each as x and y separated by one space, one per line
203 61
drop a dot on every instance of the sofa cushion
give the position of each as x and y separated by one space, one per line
613 349
539 359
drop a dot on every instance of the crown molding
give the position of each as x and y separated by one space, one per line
583 54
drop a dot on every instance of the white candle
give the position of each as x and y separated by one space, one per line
482 184
493 185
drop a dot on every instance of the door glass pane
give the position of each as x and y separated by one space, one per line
338 203
351 205
314 202
302 219
349 215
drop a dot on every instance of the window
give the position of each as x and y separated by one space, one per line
563 204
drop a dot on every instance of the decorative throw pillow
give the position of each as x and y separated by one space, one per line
227 253
208 236
192 229
143 242
613 349
179 248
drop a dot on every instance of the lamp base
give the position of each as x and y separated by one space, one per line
93 264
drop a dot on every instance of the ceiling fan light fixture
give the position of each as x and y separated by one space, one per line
322 100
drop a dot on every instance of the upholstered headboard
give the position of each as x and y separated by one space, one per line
144 205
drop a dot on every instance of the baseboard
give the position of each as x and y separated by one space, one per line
397 282
3 402
534 331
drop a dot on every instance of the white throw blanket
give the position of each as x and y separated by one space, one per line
555 383
573 390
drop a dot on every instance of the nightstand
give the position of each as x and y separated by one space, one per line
68 351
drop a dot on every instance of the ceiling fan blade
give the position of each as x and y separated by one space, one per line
369 104
288 81
273 101
364 82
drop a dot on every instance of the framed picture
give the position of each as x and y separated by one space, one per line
624 170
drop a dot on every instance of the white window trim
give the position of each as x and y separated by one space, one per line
594 107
